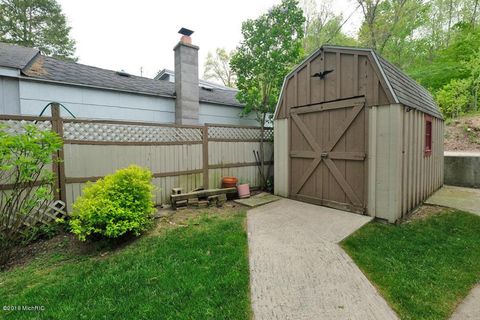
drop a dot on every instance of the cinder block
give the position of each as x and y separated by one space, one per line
177 190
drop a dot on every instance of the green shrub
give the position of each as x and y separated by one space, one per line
41 232
25 162
454 98
116 205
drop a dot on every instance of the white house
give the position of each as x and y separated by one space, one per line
30 80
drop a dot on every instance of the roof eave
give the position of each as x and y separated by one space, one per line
384 76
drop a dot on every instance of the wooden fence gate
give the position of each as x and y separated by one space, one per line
328 144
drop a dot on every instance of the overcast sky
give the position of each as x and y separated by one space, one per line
129 35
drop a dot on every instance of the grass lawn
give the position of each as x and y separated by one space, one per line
423 268
196 270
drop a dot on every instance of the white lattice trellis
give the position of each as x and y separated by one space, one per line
18 126
114 132
238 133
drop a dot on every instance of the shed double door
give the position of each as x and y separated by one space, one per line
328 144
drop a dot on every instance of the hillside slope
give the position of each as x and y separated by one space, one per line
463 133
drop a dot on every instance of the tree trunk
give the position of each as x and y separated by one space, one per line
450 14
475 98
474 14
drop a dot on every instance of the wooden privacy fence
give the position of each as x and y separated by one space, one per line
183 156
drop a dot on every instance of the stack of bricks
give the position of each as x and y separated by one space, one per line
217 200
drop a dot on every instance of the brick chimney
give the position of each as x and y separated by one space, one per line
186 79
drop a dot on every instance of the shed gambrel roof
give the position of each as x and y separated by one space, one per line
407 90
401 88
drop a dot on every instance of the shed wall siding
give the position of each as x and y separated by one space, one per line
281 138
384 162
401 176
421 174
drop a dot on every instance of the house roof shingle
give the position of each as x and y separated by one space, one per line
17 57
36 66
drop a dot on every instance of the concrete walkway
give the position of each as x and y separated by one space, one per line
469 309
465 199
298 271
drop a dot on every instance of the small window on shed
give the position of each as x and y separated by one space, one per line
428 135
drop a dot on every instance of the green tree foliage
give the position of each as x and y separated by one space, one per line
434 41
389 27
24 158
270 47
474 66
217 67
449 62
36 23
116 205
460 95
322 26
454 97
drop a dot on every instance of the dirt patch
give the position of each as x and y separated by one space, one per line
168 218
463 134
63 243
424 212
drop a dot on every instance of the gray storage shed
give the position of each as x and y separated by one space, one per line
353 132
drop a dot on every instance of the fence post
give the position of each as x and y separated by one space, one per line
205 156
59 164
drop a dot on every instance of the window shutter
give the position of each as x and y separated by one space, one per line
428 135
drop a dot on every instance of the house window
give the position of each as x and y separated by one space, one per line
428 135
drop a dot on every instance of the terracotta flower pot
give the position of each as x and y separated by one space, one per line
229 182
243 190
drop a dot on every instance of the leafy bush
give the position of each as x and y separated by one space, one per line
24 159
40 232
116 205
455 97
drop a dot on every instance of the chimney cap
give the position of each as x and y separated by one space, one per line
185 32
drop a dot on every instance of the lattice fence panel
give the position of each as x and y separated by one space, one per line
114 132
46 215
238 133
18 126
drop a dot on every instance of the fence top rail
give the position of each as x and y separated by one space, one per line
235 126
6 117
135 123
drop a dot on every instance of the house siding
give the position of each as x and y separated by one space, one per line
27 97
9 96
94 103
215 113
